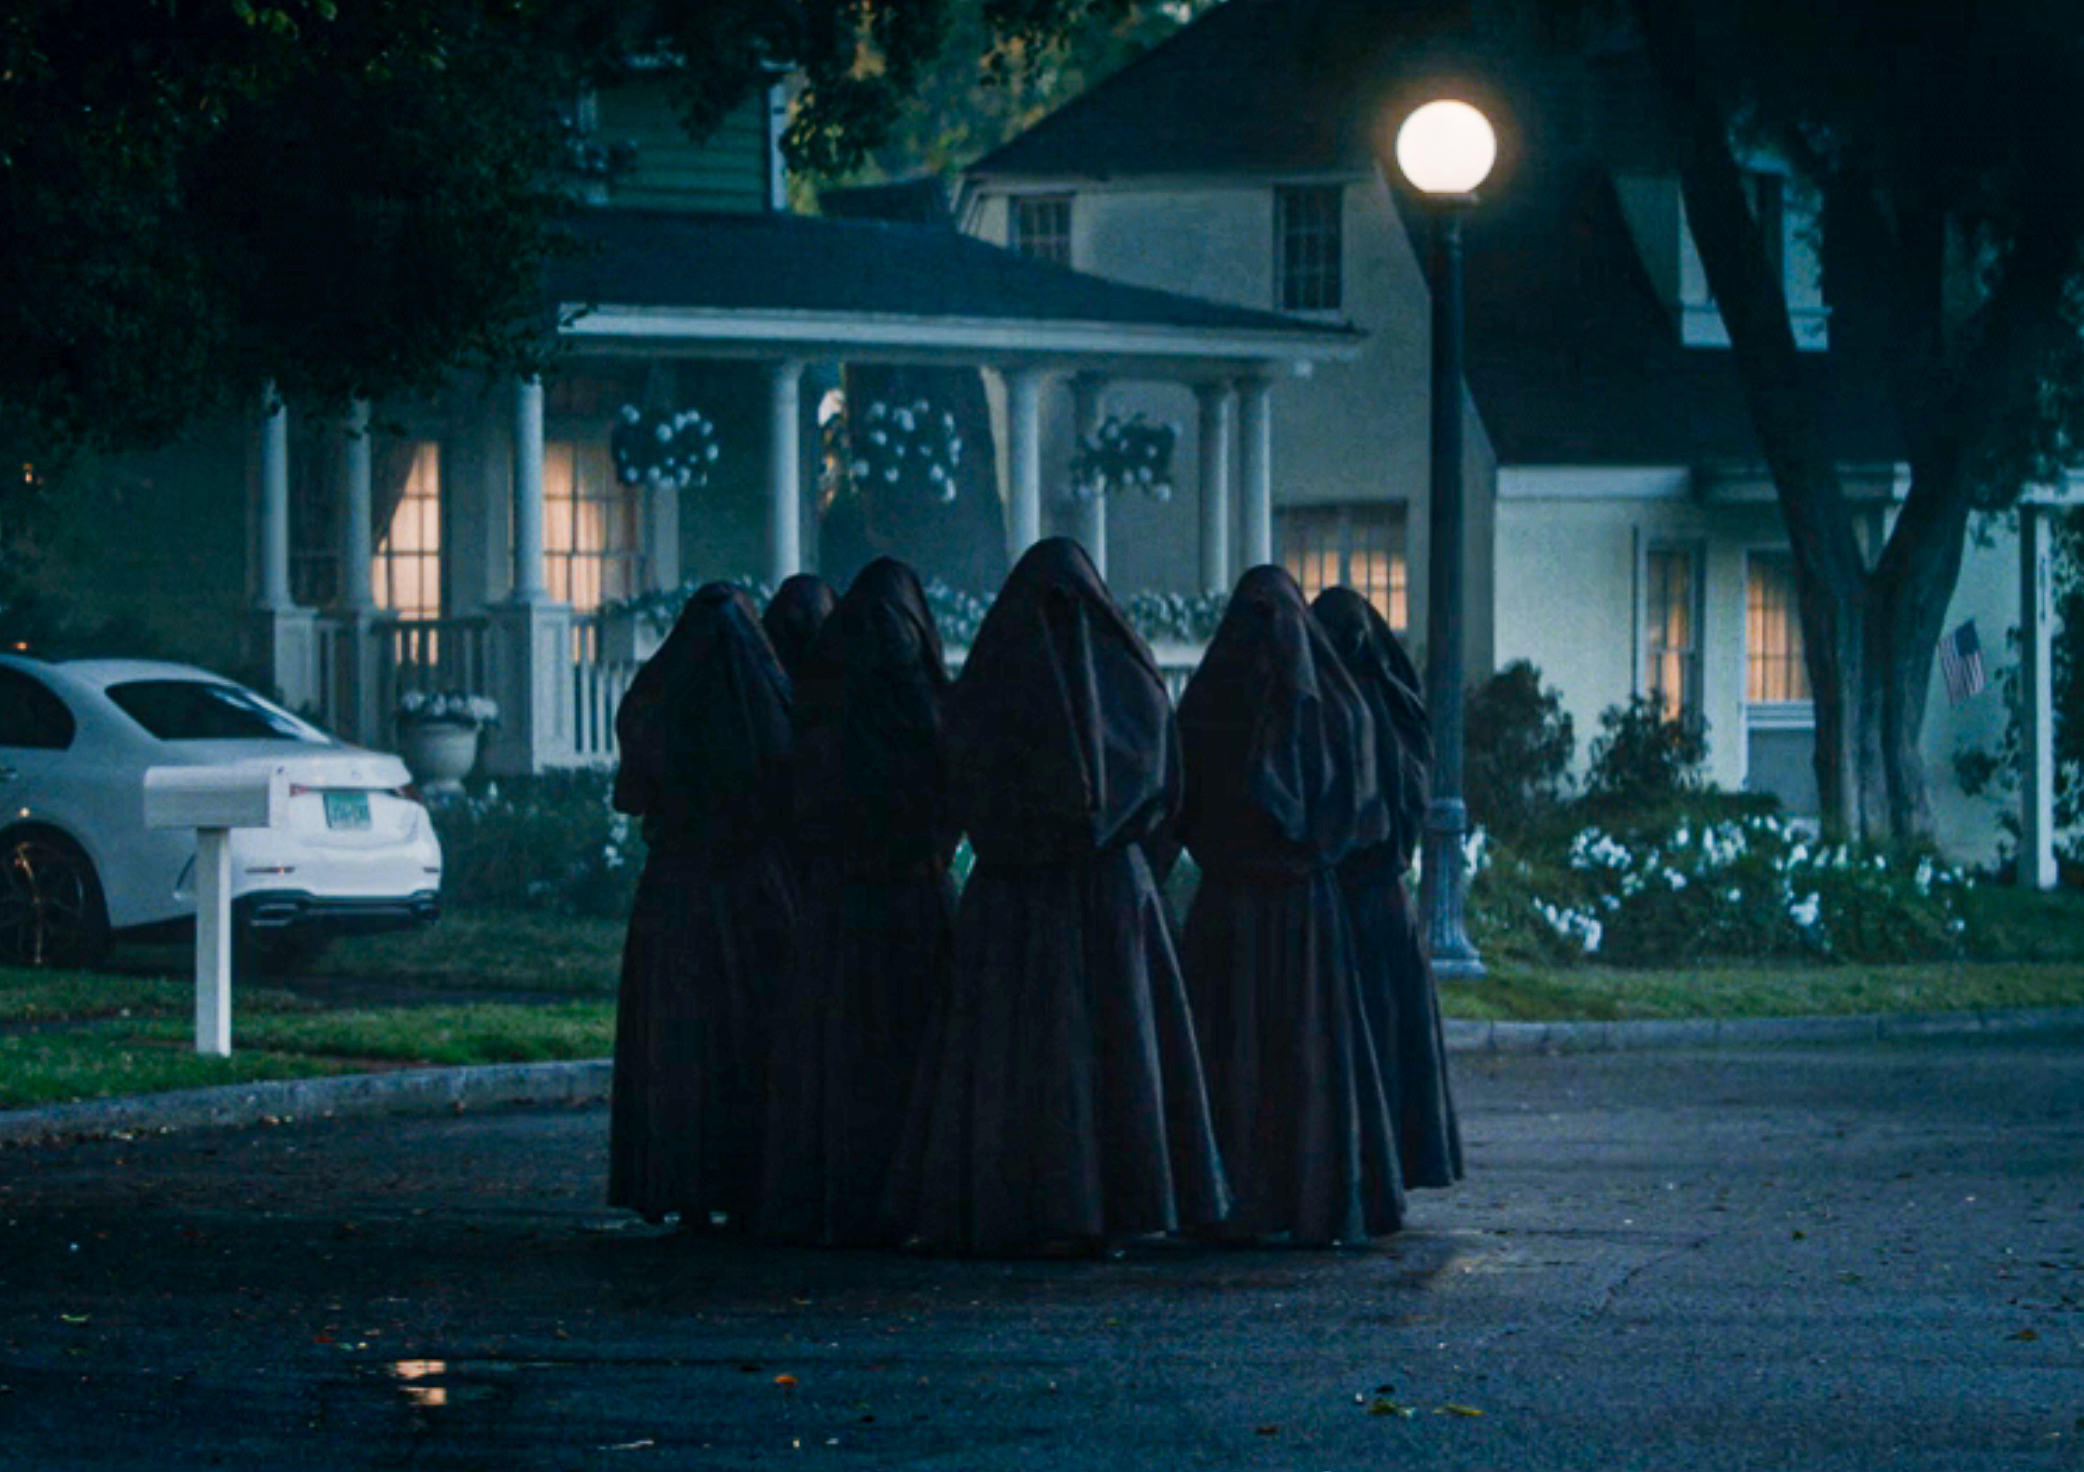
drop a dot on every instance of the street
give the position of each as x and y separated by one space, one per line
1802 1258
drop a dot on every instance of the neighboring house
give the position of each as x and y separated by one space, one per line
1622 532
477 542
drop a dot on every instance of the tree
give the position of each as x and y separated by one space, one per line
1941 139
355 197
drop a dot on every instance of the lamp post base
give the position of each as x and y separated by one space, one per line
1447 942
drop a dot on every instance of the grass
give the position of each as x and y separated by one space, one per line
549 985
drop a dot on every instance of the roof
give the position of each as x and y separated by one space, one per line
1251 86
637 258
781 277
1572 358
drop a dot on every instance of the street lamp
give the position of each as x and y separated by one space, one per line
1445 150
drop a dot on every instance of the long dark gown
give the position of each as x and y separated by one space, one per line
1281 785
706 746
794 615
876 909
1060 1100
1397 981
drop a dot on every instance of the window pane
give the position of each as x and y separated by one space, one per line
1307 247
408 556
1671 657
1773 632
592 529
1041 227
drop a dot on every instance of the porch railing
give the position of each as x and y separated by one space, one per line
431 654
603 663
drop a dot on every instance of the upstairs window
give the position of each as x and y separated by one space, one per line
1307 246
1358 547
1041 227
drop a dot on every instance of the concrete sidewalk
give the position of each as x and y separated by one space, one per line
425 1089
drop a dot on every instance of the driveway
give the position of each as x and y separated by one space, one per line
1806 1258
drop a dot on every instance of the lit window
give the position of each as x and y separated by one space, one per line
408 555
1671 630
1359 547
1774 670
1307 242
1041 227
592 546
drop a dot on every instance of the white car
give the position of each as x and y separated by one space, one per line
357 852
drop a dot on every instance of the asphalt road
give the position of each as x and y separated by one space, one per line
1812 1259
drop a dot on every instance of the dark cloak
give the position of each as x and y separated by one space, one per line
1396 980
1060 1099
1281 785
706 743
876 909
794 615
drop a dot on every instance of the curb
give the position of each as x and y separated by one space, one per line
586 1081
279 1101
1467 1036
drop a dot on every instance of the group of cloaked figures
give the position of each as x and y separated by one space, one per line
815 1041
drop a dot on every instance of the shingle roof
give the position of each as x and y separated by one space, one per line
1573 359
797 263
1252 86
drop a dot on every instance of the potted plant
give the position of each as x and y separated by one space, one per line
438 736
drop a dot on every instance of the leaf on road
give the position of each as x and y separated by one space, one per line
1454 1409
786 1382
1382 1406
2027 1335
77 1318
1266 1430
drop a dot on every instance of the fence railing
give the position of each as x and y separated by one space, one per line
431 654
603 664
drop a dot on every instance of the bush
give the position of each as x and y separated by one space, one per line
1516 746
540 843
1641 757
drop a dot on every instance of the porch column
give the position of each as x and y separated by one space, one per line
274 507
2036 704
1024 457
1089 524
1257 414
1218 434
356 674
531 636
784 470
286 634
528 584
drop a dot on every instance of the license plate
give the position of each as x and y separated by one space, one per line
347 810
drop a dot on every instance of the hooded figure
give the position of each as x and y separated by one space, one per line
705 739
1060 1099
1281 786
794 615
1396 982
877 909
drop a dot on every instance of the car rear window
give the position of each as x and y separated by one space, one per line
200 710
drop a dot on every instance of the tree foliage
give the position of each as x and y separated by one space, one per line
1954 193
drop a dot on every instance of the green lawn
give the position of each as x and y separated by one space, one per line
550 987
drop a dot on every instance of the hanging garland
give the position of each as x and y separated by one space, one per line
664 449
1123 454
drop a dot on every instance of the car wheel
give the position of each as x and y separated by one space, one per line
51 907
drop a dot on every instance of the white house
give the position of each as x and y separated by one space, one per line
1622 532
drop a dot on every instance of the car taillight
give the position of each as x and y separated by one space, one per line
411 793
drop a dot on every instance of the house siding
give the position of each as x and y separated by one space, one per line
728 171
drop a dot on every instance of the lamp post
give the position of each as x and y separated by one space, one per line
1445 150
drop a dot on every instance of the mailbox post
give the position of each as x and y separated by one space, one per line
213 801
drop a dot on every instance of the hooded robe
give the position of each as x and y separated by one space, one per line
876 909
1060 1100
1281 786
705 744
794 615
1396 981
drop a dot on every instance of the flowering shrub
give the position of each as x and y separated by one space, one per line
446 707
908 445
658 450
541 843
1188 617
1124 453
1750 886
955 613
1642 757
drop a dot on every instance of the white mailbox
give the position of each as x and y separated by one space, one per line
215 797
213 801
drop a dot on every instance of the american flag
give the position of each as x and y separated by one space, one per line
1961 661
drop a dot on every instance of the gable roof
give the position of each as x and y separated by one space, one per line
1251 86
1572 358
